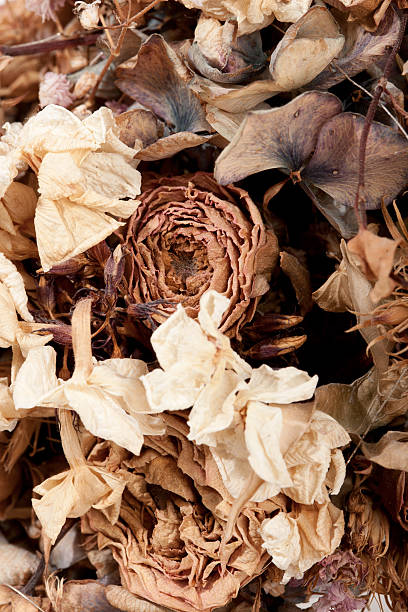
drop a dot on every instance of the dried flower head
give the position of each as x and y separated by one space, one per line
88 14
167 542
46 9
189 235
252 15
85 177
55 89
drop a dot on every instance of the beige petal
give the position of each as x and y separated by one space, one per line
282 386
13 280
36 378
180 339
307 47
72 493
104 417
55 129
8 413
298 540
77 227
263 426
8 318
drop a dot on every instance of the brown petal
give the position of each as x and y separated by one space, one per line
376 257
158 79
334 167
282 137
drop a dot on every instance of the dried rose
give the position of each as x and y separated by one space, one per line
189 235
167 541
55 89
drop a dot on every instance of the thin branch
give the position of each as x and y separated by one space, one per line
370 95
359 203
53 43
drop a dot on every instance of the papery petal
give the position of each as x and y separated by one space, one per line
121 378
282 386
13 280
213 411
104 417
8 318
55 129
8 413
77 227
263 428
36 379
72 493
175 389
298 541
181 340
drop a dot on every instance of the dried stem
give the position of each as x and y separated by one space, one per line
53 43
81 339
69 439
360 199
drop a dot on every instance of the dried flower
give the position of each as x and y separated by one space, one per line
298 540
69 156
88 14
71 494
339 598
107 395
252 15
174 557
55 89
189 235
46 9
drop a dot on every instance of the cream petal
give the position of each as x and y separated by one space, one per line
104 417
175 389
55 129
213 411
180 340
13 280
121 378
36 380
282 386
263 428
65 229
8 318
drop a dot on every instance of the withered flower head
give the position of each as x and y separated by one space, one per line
45 9
190 235
167 541
55 89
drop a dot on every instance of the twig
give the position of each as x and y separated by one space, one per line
24 596
53 43
360 200
370 95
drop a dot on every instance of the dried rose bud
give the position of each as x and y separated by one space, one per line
55 89
189 235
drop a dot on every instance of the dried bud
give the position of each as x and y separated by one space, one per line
55 89
113 272
88 14
85 84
